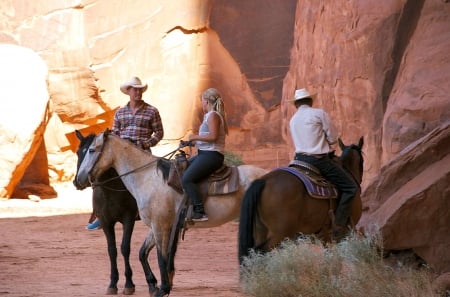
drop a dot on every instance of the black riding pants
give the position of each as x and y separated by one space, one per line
202 165
342 179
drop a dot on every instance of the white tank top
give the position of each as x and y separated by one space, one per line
219 144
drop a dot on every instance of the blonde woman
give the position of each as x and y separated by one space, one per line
210 143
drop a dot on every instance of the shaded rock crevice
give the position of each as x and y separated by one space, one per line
188 31
407 23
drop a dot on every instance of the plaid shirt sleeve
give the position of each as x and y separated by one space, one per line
116 122
157 127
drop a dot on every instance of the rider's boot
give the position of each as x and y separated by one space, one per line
199 214
339 232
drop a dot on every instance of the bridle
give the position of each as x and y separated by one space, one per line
102 183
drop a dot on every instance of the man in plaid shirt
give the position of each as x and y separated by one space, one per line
138 121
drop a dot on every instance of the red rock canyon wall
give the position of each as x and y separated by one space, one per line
381 70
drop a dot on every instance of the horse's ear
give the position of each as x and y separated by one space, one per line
79 135
361 142
341 144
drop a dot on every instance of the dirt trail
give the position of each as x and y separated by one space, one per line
45 251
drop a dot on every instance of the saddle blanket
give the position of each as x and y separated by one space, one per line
317 186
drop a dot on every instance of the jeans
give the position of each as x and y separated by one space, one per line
202 165
339 177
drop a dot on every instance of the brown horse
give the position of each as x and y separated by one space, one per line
277 206
113 203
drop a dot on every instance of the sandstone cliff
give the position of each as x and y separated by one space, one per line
380 68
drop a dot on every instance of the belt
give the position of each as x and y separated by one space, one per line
318 156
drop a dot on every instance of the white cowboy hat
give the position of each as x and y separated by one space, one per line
134 82
301 94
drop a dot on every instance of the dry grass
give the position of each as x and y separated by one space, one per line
352 268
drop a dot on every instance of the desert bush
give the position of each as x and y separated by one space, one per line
232 159
351 268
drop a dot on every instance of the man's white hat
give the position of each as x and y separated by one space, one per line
134 82
301 94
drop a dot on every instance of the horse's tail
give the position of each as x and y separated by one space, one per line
247 217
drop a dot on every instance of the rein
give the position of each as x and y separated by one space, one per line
98 184
109 188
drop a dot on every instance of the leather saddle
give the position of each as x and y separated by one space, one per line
224 180
316 185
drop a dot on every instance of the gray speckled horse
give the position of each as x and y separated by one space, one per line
158 203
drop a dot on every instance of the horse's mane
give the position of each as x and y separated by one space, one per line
164 166
86 141
346 154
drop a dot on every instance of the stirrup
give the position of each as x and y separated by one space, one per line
199 217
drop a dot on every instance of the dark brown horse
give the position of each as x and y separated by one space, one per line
113 203
277 206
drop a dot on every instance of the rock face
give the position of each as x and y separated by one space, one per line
371 64
409 202
373 71
380 68
23 115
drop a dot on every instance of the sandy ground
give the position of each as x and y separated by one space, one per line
45 251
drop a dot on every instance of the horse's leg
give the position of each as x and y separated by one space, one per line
356 210
108 230
162 238
166 283
128 226
146 247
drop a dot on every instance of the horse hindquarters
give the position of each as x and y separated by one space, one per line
247 217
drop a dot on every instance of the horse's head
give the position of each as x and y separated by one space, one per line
85 142
352 158
93 161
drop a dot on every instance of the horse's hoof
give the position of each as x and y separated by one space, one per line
153 290
111 291
161 294
129 291
158 293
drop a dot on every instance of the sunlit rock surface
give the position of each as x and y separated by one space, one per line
24 114
380 69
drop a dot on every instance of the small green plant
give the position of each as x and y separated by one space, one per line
232 159
352 268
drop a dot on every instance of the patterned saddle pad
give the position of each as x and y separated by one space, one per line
316 185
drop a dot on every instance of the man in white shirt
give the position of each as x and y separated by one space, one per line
313 134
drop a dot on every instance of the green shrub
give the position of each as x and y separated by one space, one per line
232 159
